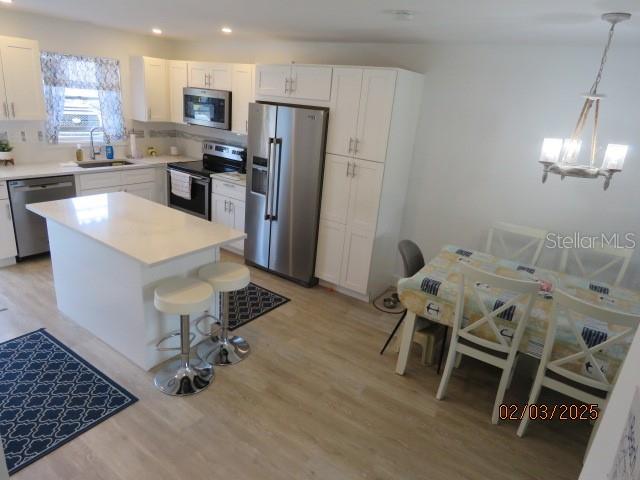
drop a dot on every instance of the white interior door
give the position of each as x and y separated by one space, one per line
311 82
157 89
22 79
364 198
345 103
336 188
7 239
198 75
374 118
358 247
330 250
242 95
271 79
177 84
220 76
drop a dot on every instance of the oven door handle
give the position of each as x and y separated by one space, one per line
270 160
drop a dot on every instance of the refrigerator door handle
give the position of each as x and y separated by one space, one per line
268 200
277 150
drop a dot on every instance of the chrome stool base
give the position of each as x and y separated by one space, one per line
180 378
228 351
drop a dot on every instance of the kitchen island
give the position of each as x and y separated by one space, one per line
109 252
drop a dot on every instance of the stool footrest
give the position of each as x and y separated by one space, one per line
192 337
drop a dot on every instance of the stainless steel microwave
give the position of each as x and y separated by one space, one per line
206 107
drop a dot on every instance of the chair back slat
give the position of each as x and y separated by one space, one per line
619 257
537 238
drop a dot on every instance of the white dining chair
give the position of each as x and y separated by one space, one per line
554 374
534 238
499 352
618 257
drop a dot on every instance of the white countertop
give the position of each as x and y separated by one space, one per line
49 169
146 231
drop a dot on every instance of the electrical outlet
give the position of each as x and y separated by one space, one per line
40 136
23 135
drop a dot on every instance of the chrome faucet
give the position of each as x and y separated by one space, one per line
95 152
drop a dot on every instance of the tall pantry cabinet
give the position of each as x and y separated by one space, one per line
372 125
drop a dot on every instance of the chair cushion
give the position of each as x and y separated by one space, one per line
183 296
225 276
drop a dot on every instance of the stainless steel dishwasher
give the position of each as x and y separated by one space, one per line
31 229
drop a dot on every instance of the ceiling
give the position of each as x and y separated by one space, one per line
354 20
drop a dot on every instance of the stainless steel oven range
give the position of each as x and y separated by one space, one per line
216 158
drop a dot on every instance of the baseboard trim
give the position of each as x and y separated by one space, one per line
7 262
345 291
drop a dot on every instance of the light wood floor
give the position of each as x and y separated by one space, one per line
313 401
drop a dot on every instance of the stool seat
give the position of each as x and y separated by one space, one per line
182 296
225 276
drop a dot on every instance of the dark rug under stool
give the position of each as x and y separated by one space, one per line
48 396
250 303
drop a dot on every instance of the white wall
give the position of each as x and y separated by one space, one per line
75 38
486 110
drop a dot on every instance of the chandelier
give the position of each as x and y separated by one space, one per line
560 156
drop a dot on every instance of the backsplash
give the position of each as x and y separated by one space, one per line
30 145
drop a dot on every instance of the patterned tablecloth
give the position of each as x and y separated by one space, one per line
432 292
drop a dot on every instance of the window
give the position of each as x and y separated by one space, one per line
81 93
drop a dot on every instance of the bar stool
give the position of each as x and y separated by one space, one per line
183 296
221 349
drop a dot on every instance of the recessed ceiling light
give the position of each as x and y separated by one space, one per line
6 1
226 30
157 31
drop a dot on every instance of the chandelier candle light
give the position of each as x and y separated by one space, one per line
560 156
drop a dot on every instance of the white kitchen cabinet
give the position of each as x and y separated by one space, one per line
302 82
336 188
361 108
273 80
356 260
150 89
141 182
348 218
242 95
330 249
177 84
345 104
7 239
364 195
143 190
374 116
228 208
21 91
210 75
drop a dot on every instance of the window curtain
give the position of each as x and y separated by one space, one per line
69 71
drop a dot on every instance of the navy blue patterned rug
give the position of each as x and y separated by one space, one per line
250 303
48 396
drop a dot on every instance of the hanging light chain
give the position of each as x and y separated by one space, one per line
594 87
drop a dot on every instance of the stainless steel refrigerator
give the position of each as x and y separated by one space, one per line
285 161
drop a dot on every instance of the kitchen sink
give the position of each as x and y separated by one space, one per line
109 163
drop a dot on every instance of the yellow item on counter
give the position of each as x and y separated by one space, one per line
79 153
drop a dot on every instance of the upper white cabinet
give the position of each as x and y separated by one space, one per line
302 82
21 91
210 75
241 96
361 107
150 89
177 83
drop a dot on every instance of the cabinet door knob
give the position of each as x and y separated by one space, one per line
355 147
13 109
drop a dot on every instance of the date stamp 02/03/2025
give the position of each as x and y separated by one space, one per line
543 411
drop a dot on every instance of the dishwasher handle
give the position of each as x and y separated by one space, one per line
39 188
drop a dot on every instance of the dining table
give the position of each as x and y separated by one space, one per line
431 294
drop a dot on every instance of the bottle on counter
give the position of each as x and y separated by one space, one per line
109 151
79 153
